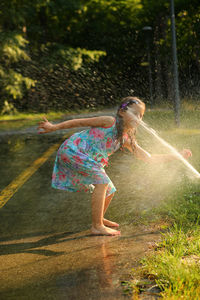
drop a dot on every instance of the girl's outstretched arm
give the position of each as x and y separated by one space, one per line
142 154
103 121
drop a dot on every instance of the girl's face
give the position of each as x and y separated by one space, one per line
133 115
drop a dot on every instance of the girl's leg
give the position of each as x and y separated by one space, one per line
106 204
98 201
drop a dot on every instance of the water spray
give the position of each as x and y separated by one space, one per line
167 145
173 150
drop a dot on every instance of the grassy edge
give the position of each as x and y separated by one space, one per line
36 116
171 269
187 105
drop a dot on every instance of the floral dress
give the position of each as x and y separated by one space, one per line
81 159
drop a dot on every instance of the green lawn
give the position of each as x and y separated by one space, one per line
23 120
174 263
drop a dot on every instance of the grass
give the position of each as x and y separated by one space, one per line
23 120
50 114
175 261
29 116
173 265
26 119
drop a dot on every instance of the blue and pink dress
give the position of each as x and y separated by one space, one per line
81 159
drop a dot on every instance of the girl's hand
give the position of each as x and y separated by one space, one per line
46 126
186 153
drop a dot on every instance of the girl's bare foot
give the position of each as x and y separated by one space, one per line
110 223
103 230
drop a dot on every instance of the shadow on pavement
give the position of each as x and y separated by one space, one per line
28 247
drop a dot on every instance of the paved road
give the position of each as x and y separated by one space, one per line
46 250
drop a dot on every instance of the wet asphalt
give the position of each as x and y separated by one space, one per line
46 250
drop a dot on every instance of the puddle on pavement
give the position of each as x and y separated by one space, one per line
46 251
71 265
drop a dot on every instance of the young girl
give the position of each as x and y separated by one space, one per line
81 159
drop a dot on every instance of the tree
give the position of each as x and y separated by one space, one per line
12 51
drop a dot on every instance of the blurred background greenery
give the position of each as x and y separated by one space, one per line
80 54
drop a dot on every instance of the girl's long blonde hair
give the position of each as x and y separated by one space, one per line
126 102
